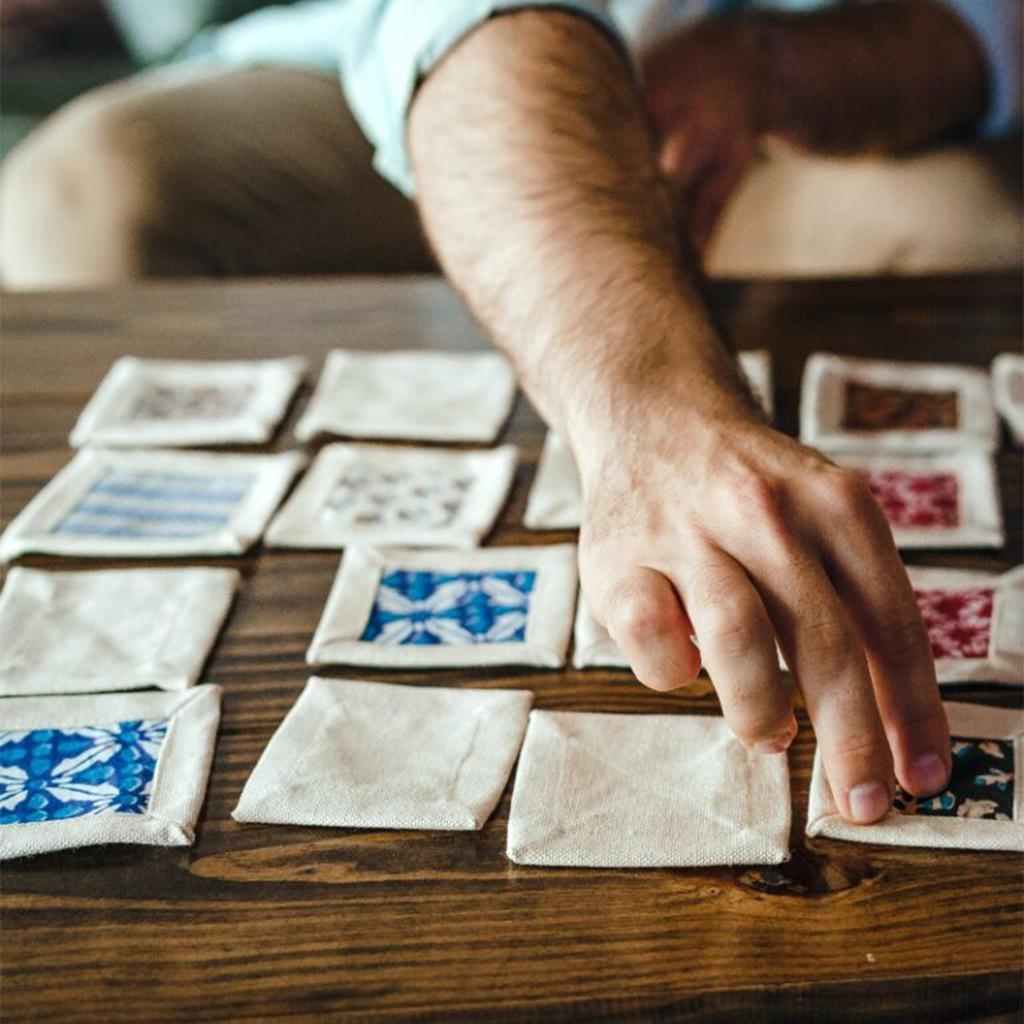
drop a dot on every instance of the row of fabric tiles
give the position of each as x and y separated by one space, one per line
426 609
922 435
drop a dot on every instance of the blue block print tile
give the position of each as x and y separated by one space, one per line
137 504
981 785
53 774
450 608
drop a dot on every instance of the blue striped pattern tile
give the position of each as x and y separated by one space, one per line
155 505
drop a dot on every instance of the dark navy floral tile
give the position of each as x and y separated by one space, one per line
981 785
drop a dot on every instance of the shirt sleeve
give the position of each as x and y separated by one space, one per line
997 26
390 45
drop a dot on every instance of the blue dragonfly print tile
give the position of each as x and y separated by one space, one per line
450 608
981 785
54 774
138 504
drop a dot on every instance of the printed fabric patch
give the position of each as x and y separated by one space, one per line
868 407
53 774
919 500
132 503
445 608
365 496
959 622
981 785
208 402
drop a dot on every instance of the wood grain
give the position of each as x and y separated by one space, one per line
291 924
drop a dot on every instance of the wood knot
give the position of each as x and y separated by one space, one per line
808 874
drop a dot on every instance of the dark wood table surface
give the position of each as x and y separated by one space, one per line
273 923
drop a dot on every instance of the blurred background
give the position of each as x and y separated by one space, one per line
792 215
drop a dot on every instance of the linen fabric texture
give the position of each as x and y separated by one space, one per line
399 608
975 622
110 503
1008 391
947 500
181 403
982 810
111 768
555 501
114 629
411 395
413 497
874 405
644 791
376 755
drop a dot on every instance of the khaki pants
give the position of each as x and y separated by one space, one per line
262 170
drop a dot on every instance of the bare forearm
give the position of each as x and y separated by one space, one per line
538 186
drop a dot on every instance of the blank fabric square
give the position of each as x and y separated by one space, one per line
975 623
980 810
180 403
947 500
373 494
376 755
152 504
592 645
645 791
423 396
395 608
114 768
1008 391
116 629
556 500
875 405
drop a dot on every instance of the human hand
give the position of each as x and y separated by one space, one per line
701 520
704 90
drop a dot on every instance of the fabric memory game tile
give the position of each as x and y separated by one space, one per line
182 403
115 629
110 768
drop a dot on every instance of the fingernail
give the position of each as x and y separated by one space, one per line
868 801
928 774
777 744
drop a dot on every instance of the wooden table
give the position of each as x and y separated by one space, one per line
272 923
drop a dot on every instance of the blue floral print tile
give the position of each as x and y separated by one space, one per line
981 785
53 774
131 503
450 608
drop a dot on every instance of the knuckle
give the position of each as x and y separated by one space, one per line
828 644
637 615
733 628
847 499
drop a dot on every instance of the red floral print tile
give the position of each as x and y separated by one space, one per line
959 622
920 500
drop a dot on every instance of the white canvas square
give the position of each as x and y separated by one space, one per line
395 608
756 365
645 791
592 645
113 768
144 504
116 629
413 497
556 498
182 403
975 622
946 500
1008 391
413 395
961 817
826 405
377 755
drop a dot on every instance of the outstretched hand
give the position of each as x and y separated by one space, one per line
743 537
